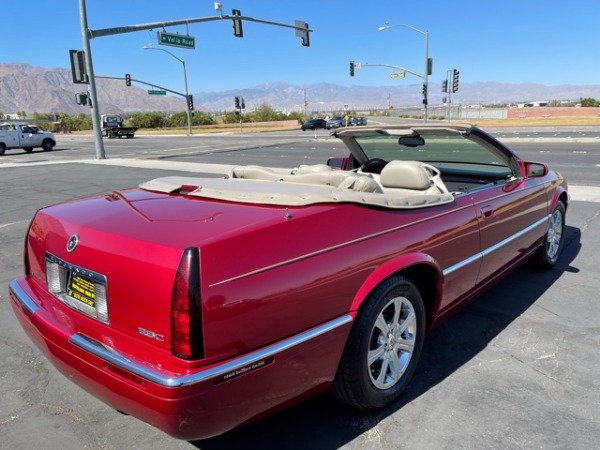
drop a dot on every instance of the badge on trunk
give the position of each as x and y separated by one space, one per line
72 243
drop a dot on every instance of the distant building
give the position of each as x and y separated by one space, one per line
532 104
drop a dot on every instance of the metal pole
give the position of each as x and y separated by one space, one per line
426 82
448 81
100 154
189 113
426 72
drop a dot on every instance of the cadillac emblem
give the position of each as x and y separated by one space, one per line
72 243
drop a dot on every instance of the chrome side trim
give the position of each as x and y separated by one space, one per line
157 376
24 300
494 247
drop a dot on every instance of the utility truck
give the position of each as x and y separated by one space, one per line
24 136
112 126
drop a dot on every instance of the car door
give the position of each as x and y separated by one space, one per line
512 215
28 136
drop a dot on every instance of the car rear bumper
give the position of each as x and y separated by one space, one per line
196 404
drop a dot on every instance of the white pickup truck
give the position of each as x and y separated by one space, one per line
24 136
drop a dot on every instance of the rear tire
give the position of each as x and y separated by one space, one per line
2 149
383 348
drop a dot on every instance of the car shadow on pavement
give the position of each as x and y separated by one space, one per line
324 423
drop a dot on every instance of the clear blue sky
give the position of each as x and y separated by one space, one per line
513 41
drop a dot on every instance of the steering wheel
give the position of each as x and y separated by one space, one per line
374 165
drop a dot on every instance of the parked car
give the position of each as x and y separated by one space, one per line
200 304
358 121
313 124
335 122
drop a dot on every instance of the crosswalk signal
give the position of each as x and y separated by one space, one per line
455 74
237 23
127 79
351 68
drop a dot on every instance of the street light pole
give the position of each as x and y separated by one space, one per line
189 113
427 64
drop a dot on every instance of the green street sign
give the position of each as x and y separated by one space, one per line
397 75
156 92
176 40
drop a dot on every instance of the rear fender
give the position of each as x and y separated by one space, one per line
406 262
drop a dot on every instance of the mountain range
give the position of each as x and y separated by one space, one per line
35 89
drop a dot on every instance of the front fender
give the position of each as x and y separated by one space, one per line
560 193
405 262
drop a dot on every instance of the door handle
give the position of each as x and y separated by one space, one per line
487 212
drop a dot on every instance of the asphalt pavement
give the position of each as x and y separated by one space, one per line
517 369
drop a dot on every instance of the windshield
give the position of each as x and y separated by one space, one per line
442 150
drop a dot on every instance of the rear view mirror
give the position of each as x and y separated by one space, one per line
411 141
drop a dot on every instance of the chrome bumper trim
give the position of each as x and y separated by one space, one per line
21 296
155 375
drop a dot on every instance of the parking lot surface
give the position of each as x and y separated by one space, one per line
517 369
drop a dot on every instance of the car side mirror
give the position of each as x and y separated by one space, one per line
534 170
338 162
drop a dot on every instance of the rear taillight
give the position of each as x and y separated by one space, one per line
186 319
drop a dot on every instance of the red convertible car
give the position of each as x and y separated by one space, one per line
201 304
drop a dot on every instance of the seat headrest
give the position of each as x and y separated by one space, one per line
405 175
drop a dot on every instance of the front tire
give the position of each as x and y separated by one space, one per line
47 145
384 346
547 255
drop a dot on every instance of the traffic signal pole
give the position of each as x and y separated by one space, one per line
99 143
302 30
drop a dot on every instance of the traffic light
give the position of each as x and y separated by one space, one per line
242 103
351 68
237 103
190 102
455 74
81 99
78 69
302 32
237 23
127 79
424 90
445 86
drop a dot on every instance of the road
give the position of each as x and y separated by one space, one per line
572 151
517 369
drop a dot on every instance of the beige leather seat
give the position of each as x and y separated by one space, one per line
411 177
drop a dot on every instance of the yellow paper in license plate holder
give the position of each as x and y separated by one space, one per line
82 289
